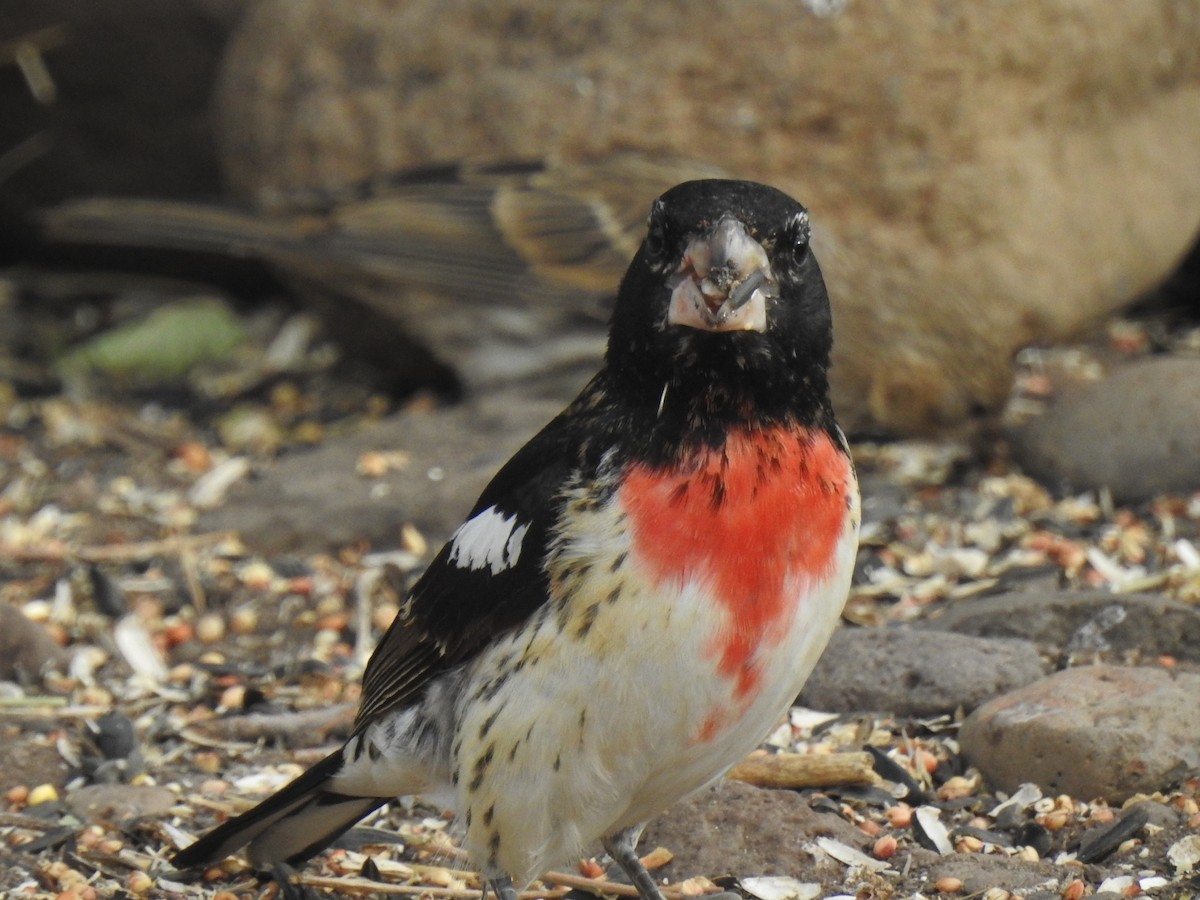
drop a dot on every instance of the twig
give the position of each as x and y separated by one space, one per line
603 885
59 712
187 561
806 770
303 727
41 701
366 886
57 551
31 823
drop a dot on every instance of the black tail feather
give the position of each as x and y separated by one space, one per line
301 819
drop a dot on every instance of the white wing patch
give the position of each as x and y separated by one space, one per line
490 540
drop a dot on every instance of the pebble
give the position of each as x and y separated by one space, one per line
138 882
748 831
1134 432
1090 732
210 628
979 872
1081 621
119 802
885 847
43 793
916 672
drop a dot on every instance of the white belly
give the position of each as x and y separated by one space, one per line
610 707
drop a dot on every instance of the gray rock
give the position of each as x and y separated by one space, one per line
1094 731
317 501
917 672
120 802
980 872
29 759
1135 432
736 829
27 651
1080 621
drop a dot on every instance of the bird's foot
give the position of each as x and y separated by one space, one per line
501 887
622 847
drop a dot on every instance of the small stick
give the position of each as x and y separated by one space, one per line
58 551
602 886
366 886
805 770
302 727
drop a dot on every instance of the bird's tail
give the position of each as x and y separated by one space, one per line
293 824
168 225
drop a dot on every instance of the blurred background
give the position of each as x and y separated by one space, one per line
283 282
439 198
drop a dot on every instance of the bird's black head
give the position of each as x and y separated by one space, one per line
724 309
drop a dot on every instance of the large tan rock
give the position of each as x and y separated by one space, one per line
985 175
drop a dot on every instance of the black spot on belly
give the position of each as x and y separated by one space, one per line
487 724
480 767
493 849
589 619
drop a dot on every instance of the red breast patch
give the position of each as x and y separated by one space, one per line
768 505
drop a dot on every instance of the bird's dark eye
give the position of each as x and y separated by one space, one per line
656 232
795 237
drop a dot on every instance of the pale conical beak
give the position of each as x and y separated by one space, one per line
723 282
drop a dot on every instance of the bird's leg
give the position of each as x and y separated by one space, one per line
501 887
622 847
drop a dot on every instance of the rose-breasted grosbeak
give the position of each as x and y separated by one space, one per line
639 593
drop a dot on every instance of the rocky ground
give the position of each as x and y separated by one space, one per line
193 575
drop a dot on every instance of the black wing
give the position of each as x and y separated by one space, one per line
454 608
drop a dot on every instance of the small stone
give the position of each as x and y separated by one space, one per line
1087 621
249 428
885 847
1184 854
589 868
119 802
899 816
956 787
243 620
1095 436
968 843
43 793
210 628
916 672
734 827
138 882
1055 820
1092 731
